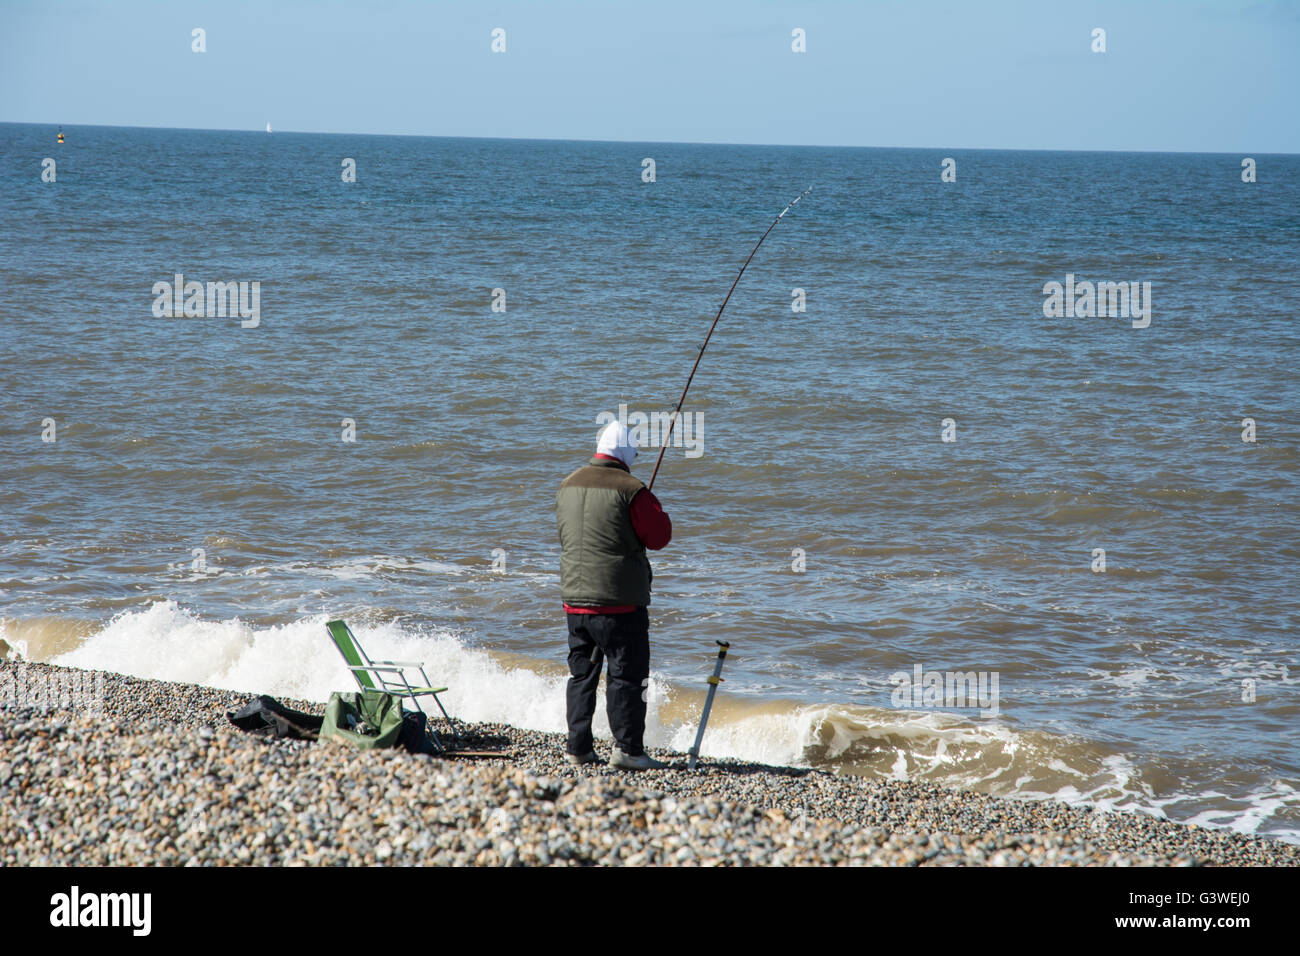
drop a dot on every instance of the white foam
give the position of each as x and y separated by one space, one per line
353 569
777 739
168 642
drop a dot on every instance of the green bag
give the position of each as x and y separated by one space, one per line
368 720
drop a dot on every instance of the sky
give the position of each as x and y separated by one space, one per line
1176 75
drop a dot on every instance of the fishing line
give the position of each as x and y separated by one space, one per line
681 401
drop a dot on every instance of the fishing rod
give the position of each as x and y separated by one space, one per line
681 401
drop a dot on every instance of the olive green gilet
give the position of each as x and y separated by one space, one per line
602 561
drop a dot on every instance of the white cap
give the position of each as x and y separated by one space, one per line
614 443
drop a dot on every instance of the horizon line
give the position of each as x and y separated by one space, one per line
534 139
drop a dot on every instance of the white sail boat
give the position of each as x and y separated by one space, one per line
268 127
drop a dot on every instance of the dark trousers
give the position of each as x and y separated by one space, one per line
624 641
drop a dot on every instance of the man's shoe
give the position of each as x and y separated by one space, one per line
579 759
639 762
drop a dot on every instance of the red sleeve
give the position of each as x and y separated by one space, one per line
649 520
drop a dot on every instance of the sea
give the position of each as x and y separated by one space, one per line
988 476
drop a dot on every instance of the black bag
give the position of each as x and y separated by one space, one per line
414 735
267 717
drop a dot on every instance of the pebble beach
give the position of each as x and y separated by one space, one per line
157 775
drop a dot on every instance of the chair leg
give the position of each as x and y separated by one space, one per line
450 723
437 741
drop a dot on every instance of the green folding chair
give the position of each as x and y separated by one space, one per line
377 675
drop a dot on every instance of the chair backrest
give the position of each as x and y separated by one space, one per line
350 649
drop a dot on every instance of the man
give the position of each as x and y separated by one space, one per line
607 520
